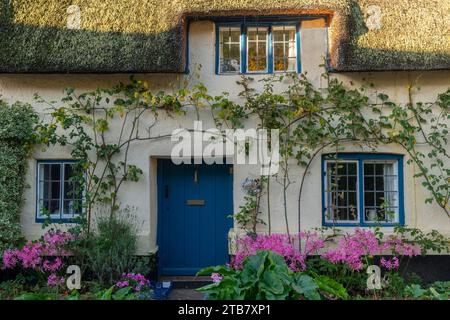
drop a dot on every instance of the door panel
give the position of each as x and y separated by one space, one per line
195 202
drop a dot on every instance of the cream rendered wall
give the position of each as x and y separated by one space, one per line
142 195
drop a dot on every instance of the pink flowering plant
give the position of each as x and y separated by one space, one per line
132 286
357 250
345 258
135 281
44 257
281 244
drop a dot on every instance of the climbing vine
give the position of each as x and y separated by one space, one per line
311 120
101 126
17 137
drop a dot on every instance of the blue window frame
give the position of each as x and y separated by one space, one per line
361 189
58 197
258 46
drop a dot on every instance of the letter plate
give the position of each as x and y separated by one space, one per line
195 202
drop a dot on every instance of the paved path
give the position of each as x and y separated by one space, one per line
186 294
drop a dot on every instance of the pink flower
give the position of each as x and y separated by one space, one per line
30 255
33 254
53 280
136 281
53 266
278 243
352 248
216 277
390 264
122 284
9 259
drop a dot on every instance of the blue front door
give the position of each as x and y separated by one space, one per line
195 204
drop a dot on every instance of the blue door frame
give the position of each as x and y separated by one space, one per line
194 207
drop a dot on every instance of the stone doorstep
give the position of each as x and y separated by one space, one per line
186 282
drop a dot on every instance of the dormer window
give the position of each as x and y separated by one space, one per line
257 49
284 49
266 47
230 50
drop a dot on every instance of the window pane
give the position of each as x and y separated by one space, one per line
353 212
380 197
372 215
369 199
369 183
230 50
49 207
54 207
292 63
49 189
342 199
342 183
379 183
72 207
44 191
58 192
379 169
369 169
279 57
257 34
341 214
44 208
342 203
55 172
69 190
73 192
352 169
55 190
284 48
352 183
341 169
257 49
352 199
49 181
44 171
68 171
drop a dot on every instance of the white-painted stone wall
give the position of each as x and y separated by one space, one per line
142 195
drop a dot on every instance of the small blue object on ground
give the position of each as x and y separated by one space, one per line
161 290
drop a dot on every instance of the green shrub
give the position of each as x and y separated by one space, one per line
17 122
437 291
110 251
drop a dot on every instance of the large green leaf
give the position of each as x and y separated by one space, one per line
273 282
107 294
256 263
122 293
36 296
306 286
331 286
223 270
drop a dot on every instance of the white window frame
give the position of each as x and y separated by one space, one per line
220 50
397 203
273 42
61 215
327 192
267 29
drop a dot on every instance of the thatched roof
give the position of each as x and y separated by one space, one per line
149 35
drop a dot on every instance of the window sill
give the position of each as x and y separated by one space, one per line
257 73
362 225
58 221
